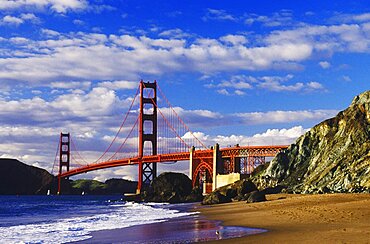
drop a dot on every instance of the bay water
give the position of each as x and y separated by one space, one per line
61 219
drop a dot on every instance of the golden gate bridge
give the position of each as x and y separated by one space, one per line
152 134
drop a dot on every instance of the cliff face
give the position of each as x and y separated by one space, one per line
334 156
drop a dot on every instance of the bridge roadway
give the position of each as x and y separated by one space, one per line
228 152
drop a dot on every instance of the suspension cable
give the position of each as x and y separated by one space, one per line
77 152
178 117
119 130
75 160
55 159
124 142
155 104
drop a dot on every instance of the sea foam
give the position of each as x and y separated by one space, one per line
79 228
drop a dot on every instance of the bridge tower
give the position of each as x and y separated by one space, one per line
147 132
64 155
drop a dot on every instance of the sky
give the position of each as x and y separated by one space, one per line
248 72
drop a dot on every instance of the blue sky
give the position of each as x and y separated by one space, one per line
249 72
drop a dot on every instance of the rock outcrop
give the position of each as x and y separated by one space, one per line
215 197
238 191
255 196
172 188
333 156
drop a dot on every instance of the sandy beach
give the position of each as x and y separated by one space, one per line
328 218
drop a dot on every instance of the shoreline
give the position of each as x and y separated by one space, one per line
187 229
328 218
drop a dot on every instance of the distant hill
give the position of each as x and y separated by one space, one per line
334 156
17 178
111 186
22 179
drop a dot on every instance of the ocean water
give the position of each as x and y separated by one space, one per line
61 219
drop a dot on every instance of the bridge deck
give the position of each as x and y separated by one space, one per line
246 151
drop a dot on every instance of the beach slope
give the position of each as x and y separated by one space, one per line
289 218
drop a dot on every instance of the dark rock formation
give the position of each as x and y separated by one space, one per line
232 192
334 156
274 190
245 186
196 195
172 188
215 197
255 196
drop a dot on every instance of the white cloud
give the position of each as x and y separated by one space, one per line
234 39
293 132
347 78
59 6
269 137
78 22
30 17
84 85
218 14
239 92
282 18
351 18
239 83
119 85
174 33
334 38
50 33
99 102
235 84
362 17
26 131
223 92
273 117
11 20
98 56
324 64
315 86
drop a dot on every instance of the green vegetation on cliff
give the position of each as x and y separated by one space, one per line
111 186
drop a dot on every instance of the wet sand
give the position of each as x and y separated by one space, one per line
328 218
188 229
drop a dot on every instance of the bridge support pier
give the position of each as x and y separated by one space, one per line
64 156
191 162
147 117
217 165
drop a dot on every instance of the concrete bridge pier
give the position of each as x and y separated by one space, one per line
191 162
217 165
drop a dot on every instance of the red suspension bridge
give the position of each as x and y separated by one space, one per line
152 134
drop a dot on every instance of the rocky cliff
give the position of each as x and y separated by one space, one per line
333 156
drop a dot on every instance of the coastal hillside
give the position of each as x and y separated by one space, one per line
17 178
22 179
333 156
